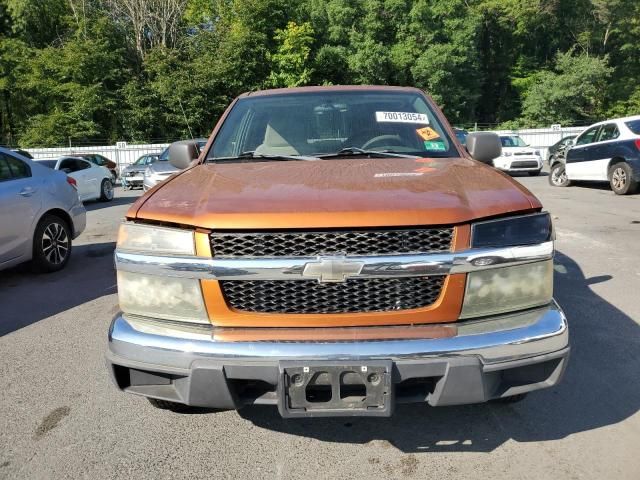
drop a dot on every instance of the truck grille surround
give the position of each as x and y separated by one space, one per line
352 296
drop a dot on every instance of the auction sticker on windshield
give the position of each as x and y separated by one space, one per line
402 117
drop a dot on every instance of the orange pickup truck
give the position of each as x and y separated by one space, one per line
336 251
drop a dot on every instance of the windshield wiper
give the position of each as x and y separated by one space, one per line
266 156
360 151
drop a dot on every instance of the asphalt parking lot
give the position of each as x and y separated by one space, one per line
60 417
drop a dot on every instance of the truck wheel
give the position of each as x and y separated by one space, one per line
167 405
51 244
558 176
511 399
106 191
621 179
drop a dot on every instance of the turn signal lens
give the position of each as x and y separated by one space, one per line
153 239
501 290
72 181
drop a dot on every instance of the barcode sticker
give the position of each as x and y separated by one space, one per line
402 117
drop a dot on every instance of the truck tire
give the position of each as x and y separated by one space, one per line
558 176
621 179
51 244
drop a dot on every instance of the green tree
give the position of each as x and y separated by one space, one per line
290 62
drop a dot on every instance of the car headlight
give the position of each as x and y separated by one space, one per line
505 289
171 298
508 232
501 290
159 296
536 152
506 154
153 239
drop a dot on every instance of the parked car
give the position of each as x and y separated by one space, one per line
94 182
103 162
40 214
607 151
335 252
161 169
132 175
461 135
517 156
559 148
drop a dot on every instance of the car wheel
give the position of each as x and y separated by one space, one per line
621 179
106 190
167 405
535 174
558 176
51 244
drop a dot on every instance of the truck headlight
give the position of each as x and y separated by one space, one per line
153 239
171 298
165 297
512 231
501 290
505 289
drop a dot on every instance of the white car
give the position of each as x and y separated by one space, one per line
93 181
517 156
607 151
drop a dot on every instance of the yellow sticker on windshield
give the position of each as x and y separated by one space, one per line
427 133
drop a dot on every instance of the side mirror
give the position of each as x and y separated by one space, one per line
182 153
484 146
571 143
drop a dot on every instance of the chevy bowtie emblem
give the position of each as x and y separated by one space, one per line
332 269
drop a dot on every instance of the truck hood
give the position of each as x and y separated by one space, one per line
351 192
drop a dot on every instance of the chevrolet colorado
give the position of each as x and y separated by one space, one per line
336 251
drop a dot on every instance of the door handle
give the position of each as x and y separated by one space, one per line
26 192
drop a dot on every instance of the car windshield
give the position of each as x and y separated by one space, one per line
512 141
313 124
48 163
141 161
634 126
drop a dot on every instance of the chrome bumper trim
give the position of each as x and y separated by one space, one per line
495 339
293 268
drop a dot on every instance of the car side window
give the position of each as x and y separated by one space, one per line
5 171
68 164
82 165
19 169
608 132
588 137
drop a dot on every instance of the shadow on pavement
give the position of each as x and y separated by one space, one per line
26 297
601 387
97 205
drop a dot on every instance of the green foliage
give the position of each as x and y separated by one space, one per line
571 93
81 71
290 63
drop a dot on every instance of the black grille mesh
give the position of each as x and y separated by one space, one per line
354 295
524 164
311 244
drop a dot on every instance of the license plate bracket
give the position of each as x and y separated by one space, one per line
317 389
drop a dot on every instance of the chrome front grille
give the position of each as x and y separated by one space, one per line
352 296
334 242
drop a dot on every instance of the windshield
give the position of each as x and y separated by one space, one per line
512 141
325 122
141 161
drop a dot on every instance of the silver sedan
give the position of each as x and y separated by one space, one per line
40 213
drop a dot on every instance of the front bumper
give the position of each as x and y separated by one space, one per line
514 165
473 361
